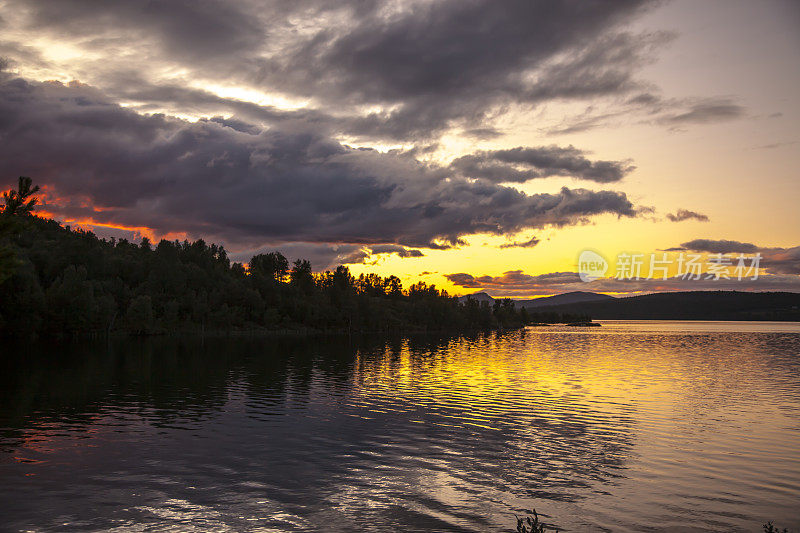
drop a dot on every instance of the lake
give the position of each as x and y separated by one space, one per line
633 426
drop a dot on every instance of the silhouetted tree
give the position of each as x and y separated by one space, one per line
21 201
16 203
301 276
394 287
272 266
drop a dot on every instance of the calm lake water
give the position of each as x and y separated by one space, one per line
634 426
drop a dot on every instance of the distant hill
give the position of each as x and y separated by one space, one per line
564 299
692 305
478 296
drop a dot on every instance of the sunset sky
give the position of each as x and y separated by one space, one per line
477 145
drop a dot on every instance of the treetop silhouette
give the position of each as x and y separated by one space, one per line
21 201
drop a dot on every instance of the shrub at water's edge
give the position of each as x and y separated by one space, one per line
769 528
532 524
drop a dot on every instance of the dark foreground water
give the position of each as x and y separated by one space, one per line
629 427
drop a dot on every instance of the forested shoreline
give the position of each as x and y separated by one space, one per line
56 281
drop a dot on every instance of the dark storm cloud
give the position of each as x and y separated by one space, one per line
420 67
449 47
374 69
685 214
467 60
522 164
225 181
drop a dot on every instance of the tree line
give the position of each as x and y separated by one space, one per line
59 281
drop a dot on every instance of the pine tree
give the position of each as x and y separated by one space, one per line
20 202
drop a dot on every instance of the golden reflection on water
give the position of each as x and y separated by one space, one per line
627 427
689 416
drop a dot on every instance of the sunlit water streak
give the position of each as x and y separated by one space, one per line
630 427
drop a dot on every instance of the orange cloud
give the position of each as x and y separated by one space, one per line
90 224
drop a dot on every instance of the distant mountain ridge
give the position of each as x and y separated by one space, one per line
478 296
559 299
691 305
687 305
575 297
